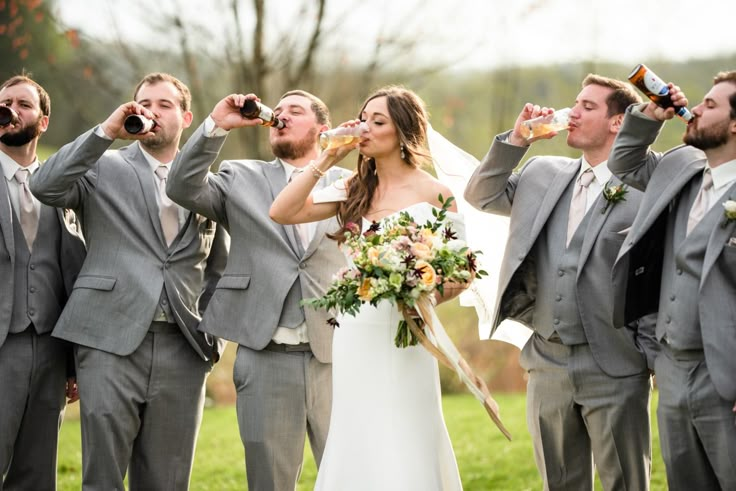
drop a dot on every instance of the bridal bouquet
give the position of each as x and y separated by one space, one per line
399 260
406 262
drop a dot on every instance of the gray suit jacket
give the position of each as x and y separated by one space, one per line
71 256
265 259
664 176
529 197
128 262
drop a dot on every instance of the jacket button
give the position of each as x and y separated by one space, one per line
302 265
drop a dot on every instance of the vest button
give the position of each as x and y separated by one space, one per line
558 298
32 266
302 265
32 289
556 322
560 273
672 298
679 271
31 312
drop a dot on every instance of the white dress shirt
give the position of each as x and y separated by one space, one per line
10 167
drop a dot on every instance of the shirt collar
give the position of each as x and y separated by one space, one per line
289 169
724 175
10 166
153 162
600 171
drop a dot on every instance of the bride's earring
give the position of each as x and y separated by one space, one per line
403 155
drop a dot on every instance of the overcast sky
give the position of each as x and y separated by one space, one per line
478 33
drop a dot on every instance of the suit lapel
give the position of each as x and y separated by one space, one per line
6 219
668 194
134 156
554 191
595 223
720 234
274 173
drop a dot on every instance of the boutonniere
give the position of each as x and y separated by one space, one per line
729 212
614 194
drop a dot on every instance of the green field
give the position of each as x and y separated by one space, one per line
486 460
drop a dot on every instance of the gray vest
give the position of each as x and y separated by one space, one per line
39 294
679 315
556 308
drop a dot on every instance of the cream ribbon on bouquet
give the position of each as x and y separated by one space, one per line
434 339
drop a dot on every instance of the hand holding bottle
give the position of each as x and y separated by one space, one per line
114 125
663 96
334 151
227 113
679 101
536 123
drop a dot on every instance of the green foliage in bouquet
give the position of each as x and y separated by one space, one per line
399 260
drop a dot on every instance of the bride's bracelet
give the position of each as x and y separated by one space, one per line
316 173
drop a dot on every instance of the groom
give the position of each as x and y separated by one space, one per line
589 384
283 371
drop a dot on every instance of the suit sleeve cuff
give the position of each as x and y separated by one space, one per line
211 130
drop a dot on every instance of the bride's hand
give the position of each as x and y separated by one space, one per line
451 290
334 154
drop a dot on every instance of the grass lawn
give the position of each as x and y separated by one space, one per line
486 460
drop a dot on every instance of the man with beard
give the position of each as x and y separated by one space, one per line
41 256
141 363
691 198
589 384
282 371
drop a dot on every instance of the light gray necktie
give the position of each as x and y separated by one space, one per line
169 214
27 212
579 200
302 229
700 205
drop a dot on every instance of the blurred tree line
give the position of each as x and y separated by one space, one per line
88 78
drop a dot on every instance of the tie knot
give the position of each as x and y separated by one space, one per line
707 180
295 173
21 175
586 178
162 172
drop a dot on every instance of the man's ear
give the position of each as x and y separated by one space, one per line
44 123
187 116
616 123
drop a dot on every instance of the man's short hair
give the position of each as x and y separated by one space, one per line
157 77
43 96
621 97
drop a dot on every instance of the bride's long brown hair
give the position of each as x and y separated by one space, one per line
406 110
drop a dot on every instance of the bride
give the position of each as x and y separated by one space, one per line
386 431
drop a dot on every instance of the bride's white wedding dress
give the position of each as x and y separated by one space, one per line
386 431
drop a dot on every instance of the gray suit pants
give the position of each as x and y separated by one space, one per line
281 398
142 410
32 381
578 415
697 428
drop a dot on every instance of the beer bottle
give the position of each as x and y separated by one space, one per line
7 116
135 123
654 87
253 109
342 135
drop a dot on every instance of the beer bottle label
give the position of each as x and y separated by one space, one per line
656 85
